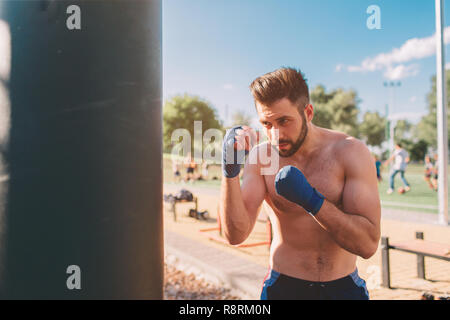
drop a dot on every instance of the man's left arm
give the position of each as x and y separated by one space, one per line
356 227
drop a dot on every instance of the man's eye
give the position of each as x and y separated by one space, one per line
283 121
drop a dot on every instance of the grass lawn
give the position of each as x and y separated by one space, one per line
213 170
420 198
420 194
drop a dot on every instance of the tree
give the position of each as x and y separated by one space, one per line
426 129
319 95
418 150
241 118
319 99
372 128
181 111
336 110
402 129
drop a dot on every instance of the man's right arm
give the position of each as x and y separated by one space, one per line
239 205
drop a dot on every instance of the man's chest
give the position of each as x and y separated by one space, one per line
324 174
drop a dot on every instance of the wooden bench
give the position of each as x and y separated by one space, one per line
174 206
419 247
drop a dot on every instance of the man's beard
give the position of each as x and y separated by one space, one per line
294 145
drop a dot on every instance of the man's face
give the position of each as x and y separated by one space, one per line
284 125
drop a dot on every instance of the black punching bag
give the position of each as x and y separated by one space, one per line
81 216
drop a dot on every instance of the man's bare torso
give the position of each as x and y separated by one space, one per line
301 248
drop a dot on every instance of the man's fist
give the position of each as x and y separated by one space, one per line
237 143
291 184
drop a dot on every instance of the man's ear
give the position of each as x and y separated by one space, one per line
309 112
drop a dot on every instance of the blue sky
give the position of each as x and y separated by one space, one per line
215 48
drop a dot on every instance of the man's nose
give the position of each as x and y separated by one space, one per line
276 134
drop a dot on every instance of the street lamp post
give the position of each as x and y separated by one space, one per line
441 114
390 123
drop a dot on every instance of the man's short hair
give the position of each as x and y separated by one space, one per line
282 83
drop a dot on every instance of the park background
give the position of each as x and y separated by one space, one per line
375 84
362 81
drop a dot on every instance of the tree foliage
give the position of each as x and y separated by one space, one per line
402 130
181 111
241 118
426 129
336 110
418 150
373 128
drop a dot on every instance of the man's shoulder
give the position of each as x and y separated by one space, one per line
343 144
350 151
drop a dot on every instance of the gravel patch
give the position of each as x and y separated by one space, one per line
180 285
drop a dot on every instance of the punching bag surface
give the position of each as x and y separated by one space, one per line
83 212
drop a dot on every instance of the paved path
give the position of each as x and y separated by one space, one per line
410 216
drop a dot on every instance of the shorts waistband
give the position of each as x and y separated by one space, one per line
349 279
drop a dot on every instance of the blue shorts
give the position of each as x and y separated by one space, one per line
278 286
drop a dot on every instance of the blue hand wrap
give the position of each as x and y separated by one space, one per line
291 184
231 158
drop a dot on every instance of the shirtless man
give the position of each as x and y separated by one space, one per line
326 207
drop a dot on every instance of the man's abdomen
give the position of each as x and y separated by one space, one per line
302 249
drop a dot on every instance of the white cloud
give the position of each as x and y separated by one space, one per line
401 71
339 67
413 99
447 66
394 62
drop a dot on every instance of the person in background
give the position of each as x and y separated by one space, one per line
176 170
435 175
401 159
378 166
429 172
205 172
190 168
